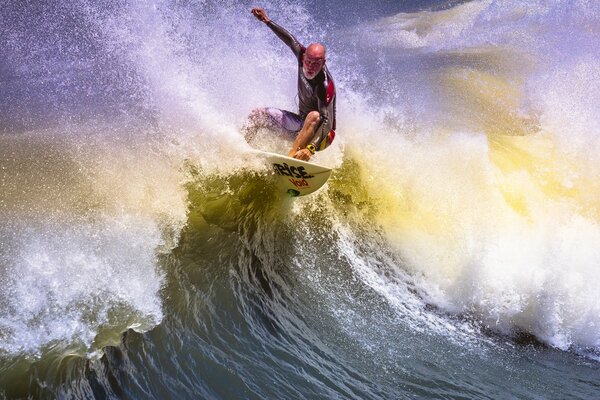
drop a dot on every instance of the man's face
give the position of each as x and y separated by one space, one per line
312 65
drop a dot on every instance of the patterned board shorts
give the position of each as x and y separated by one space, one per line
291 123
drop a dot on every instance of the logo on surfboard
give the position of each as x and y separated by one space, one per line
299 183
298 175
296 178
294 172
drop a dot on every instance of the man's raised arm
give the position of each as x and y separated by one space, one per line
281 33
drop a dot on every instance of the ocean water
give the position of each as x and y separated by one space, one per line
454 252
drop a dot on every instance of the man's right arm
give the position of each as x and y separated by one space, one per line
281 33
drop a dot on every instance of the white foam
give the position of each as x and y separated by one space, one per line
493 201
66 281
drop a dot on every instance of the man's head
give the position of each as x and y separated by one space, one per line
313 60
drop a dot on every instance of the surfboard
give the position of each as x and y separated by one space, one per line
296 177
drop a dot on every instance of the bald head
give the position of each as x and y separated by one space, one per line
316 50
313 60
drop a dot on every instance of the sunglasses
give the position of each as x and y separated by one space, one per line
313 62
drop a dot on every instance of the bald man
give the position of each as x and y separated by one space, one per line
313 128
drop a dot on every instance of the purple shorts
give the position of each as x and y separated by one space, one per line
288 121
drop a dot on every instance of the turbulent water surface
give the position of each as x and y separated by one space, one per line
454 253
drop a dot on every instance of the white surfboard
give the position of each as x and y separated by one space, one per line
296 177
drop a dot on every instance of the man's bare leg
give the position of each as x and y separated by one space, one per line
307 132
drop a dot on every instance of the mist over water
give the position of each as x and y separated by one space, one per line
461 220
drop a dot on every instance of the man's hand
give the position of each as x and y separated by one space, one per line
260 14
303 154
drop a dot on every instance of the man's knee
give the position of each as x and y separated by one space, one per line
313 118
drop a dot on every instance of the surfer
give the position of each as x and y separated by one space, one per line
313 127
